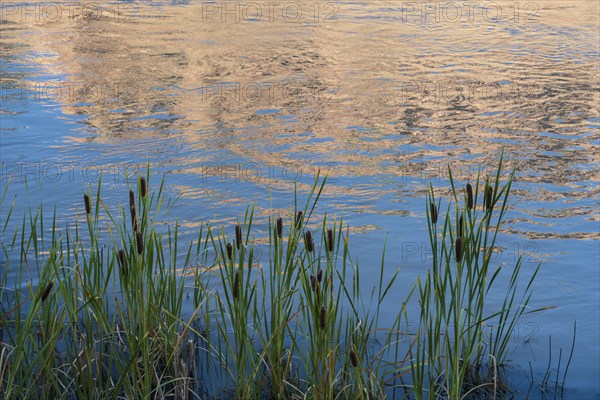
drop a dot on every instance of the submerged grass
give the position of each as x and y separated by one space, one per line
105 318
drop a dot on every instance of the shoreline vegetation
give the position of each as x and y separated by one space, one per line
106 319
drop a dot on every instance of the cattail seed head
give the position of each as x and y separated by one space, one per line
320 275
88 205
131 199
47 291
488 197
122 257
134 219
279 227
313 282
143 187
229 251
238 236
460 226
139 242
322 317
353 359
299 219
310 246
433 212
236 285
330 243
469 196
458 249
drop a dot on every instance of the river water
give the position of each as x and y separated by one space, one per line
236 103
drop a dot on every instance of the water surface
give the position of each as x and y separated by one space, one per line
238 102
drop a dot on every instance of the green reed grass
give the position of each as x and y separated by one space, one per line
105 318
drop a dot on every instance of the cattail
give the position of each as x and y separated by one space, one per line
279 227
460 226
310 246
140 242
238 236
236 285
229 251
320 275
122 257
330 243
322 317
143 188
469 196
299 219
47 291
313 282
88 205
488 197
433 212
458 249
131 199
134 219
353 359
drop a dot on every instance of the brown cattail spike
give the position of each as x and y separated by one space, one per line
469 196
330 240
131 199
460 226
279 227
143 187
139 242
320 275
299 219
322 319
134 219
122 257
433 212
238 236
488 197
313 282
47 291
458 250
88 205
353 359
310 246
236 285
229 251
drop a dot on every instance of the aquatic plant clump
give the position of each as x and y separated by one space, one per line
106 318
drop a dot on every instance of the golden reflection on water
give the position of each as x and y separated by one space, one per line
373 87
